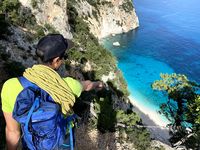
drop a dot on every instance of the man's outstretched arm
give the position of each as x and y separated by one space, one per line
12 132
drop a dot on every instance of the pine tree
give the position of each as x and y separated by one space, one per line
182 108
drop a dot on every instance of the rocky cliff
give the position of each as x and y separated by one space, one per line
52 12
104 17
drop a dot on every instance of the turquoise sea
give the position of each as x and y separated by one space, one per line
167 41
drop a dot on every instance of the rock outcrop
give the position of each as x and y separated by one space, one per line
104 17
52 12
108 17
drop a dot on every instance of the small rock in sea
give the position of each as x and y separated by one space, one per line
116 44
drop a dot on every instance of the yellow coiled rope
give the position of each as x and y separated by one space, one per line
50 81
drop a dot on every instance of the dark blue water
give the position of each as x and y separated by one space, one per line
168 40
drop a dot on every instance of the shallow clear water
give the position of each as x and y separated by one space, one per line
168 40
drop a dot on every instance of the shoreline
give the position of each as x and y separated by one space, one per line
152 121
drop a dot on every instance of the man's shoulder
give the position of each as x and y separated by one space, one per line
9 92
74 85
12 82
70 79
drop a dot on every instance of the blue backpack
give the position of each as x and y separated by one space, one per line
42 123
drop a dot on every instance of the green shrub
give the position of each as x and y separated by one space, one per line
10 8
119 23
3 25
9 5
39 32
93 2
34 3
107 3
106 115
18 15
26 18
127 6
140 138
72 14
95 14
49 28
57 2
129 120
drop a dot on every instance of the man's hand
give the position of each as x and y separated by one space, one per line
89 85
99 85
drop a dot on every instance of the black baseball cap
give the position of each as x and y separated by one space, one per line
51 46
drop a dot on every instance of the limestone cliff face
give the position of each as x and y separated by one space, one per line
108 16
104 17
52 12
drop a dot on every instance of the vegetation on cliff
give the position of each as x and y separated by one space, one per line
127 5
13 13
182 108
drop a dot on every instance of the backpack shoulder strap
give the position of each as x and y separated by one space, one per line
25 82
26 130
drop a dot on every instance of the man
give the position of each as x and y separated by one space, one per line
50 51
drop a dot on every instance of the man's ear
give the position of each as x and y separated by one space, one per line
55 62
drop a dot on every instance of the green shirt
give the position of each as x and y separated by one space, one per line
12 88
